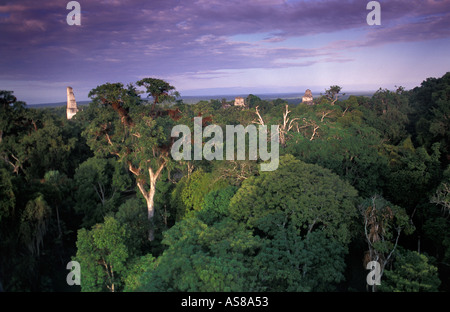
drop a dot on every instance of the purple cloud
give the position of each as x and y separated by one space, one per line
123 40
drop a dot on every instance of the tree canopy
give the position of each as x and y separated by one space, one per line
361 178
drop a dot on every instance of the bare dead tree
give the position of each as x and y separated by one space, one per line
286 126
376 221
325 114
260 120
309 123
442 197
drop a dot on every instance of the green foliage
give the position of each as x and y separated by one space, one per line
411 272
47 148
133 215
7 197
57 189
99 183
33 142
304 215
437 224
253 101
441 196
13 115
158 89
166 212
297 194
109 132
211 256
383 223
110 93
332 94
102 254
134 134
437 232
205 108
413 172
351 111
74 188
197 186
215 205
431 107
211 252
189 194
202 258
233 116
137 268
289 262
354 153
389 114
34 223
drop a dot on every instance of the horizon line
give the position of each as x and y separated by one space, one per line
235 94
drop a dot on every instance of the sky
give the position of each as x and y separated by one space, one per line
209 47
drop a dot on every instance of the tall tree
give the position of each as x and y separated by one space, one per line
306 196
7 196
291 262
33 141
411 272
300 211
353 152
431 112
158 89
413 172
383 224
208 251
127 129
14 123
388 113
332 94
102 253
34 224
100 183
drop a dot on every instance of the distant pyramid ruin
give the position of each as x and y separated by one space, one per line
308 98
71 104
239 101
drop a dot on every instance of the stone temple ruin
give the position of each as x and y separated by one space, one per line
308 98
71 104
239 101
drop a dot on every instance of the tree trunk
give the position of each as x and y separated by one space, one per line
58 222
150 197
151 208
150 194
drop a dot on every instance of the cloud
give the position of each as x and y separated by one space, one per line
8 8
422 28
121 40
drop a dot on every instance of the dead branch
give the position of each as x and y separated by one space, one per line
260 120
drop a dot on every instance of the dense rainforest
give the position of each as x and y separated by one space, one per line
360 179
